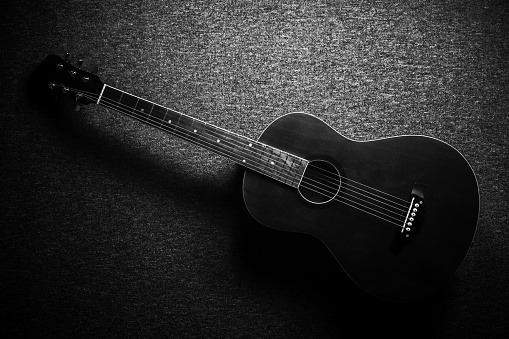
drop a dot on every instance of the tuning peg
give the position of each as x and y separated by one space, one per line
67 57
79 63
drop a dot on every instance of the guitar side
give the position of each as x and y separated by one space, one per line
360 242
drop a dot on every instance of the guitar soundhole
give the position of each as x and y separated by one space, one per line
321 182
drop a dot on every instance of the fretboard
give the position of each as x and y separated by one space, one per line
262 158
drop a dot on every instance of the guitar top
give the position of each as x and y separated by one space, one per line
398 214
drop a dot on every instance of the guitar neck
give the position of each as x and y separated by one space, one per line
267 160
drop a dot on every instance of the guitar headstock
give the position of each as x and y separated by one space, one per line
56 76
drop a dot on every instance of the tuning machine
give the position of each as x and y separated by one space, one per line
79 63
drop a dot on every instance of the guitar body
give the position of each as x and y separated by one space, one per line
363 243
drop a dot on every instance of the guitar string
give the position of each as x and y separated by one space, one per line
390 195
352 189
184 134
227 139
344 187
223 136
283 180
359 190
399 223
332 195
226 136
332 181
116 105
326 176
215 131
287 154
331 185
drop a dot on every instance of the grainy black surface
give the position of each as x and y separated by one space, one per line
111 228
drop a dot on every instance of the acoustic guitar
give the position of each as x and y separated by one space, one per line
399 214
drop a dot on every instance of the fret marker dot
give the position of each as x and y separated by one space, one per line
272 162
143 110
250 144
169 121
194 131
218 140
244 160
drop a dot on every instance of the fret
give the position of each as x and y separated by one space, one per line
208 132
128 101
251 151
111 94
302 164
158 114
293 171
184 123
271 160
262 154
254 155
237 145
217 136
258 154
143 109
221 135
299 167
265 157
228 140
213 138
118 100
225 141
276 165
285 168
198 128
242 149
170 120
273 163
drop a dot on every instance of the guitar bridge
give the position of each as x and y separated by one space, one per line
413 218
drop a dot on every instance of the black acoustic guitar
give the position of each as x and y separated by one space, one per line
399 214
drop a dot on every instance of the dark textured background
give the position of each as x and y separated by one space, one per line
111 228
